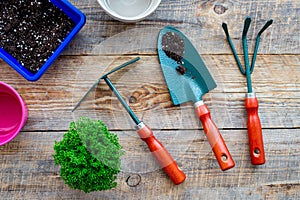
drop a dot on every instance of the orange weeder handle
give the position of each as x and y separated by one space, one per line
161 154
214 138
255 137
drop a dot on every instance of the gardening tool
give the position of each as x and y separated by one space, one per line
255 138
161 154
188 79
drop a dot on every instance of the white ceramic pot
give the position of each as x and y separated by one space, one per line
129 10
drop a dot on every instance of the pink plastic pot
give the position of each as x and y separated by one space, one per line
13 113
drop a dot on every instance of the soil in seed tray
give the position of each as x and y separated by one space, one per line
31 30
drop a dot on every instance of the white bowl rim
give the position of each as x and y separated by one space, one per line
150 10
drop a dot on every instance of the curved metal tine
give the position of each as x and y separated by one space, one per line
82 98
120 67
103 76
269 22
224 26
246 26
245 45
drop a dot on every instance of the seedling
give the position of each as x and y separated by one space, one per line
89 156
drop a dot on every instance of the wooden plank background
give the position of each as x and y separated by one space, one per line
27 166
203 20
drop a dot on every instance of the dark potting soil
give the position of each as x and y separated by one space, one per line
173 46
181 69
31 30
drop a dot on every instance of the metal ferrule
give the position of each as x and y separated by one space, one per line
140 126
250 95
198 103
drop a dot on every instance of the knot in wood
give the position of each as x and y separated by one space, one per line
132 99
220 9
133 180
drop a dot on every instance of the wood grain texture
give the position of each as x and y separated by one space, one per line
202 20
29 159
27 165
50 100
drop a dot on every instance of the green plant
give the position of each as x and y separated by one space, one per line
89 156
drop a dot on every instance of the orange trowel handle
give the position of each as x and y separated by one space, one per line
255 138
161 154
214 137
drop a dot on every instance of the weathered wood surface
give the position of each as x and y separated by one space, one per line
27 166
28 170
50 100
202 21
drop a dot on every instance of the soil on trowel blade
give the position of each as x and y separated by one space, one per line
173 46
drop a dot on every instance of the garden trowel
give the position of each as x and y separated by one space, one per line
188 79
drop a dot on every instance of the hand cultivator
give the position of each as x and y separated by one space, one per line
251 103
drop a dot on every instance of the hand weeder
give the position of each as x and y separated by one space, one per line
251 103
161 154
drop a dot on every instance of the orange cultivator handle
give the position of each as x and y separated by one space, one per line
161 154
214 137
255 138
